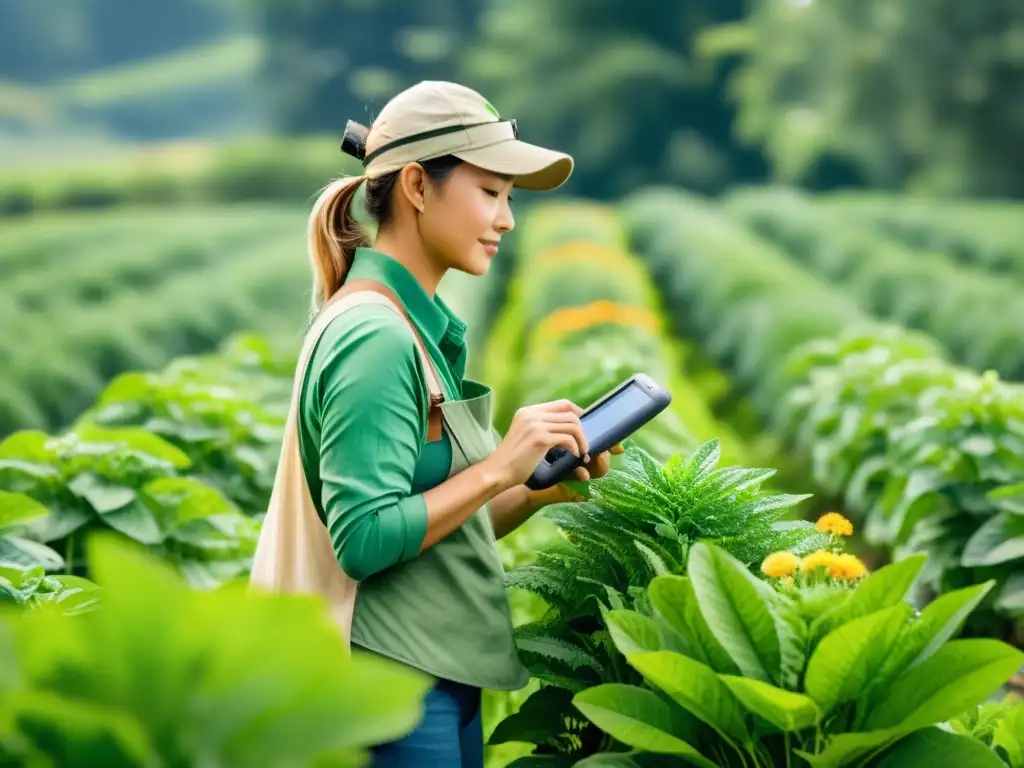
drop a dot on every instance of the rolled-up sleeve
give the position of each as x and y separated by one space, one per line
372 426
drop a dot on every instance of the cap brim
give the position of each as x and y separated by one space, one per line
533 167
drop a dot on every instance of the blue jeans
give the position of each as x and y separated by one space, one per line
449 735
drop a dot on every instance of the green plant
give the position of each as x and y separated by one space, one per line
161 674
929 454
742 672
642 521
224 411
24 564
128 480
998 725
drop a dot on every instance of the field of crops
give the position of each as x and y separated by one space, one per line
696 604
92 295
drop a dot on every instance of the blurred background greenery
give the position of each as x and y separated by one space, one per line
908 95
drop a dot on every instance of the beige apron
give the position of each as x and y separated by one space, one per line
294 553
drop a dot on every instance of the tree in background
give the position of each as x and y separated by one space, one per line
616 85
920 94
328 61
40 41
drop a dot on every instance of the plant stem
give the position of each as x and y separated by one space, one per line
719 754
788 749
69 553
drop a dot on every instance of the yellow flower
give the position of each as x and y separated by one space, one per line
847 567
820 559
834 523
779 564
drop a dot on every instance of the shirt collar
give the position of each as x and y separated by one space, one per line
431 315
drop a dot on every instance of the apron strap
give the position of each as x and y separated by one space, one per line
354 287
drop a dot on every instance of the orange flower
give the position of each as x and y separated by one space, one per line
602 312
847 568
820 559
835 524
779 564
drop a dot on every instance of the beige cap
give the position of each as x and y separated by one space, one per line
435 118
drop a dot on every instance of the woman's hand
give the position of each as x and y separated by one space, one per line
599 465
535 430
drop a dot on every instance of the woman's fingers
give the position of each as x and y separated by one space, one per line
567 406
575 429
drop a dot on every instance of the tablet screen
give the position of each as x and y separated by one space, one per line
601 421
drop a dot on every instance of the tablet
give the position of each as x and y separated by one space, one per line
606 422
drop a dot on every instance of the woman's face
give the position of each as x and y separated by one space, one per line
464 217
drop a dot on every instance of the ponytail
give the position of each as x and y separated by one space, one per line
333 235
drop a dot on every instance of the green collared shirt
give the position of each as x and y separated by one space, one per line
363 419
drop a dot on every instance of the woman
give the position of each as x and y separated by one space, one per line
397 448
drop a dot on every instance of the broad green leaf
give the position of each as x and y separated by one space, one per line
957 676
696 688
136 521
845 749
881 589
103 496
1011 597
250 678
15 550
540 717
133 438
735 605
80 734
786 710
639 718
675 601
999 539
936 747
1009 735
943 617
18 508
848 658
1009 498
632 631
179 500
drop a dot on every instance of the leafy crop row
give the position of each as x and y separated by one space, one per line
286 170
974 313
581 316
118 292
984 234
929 456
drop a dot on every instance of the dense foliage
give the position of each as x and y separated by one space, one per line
913 95
161 674
972 311
806 671
135 290
928 454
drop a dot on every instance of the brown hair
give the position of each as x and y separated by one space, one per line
333 233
